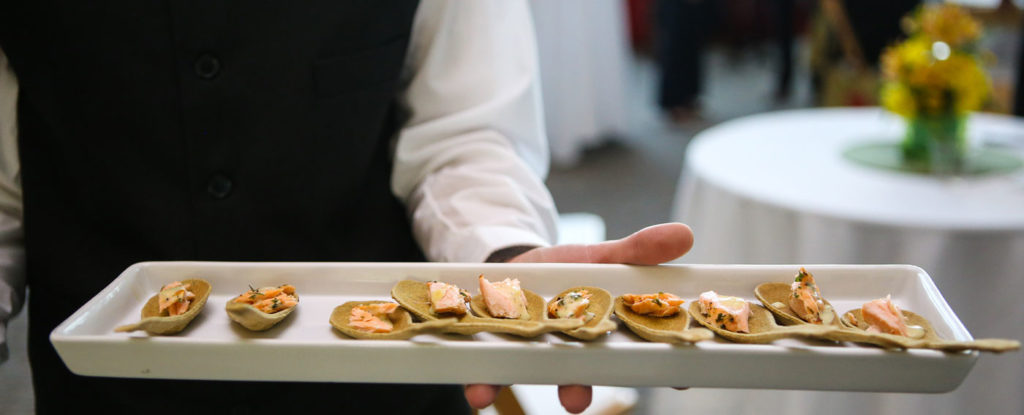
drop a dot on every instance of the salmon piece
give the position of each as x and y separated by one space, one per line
882 316
178 308
729 313
805 298
657 305
373 318
273 305
571 305
271 292
504 299
447 298
270 299
259 294
175 298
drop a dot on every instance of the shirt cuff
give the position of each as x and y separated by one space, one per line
510 253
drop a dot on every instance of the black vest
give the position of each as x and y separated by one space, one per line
202 130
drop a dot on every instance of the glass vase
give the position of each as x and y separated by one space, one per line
936 144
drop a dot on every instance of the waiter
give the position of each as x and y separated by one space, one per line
268 131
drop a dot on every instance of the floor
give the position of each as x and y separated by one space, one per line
629 181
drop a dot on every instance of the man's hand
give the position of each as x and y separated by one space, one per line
649 246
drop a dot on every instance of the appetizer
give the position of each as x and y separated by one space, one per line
172 308
590 305
447 298
379 320
882 316
571 305
806 300
262 308
884 324
656 318
728 313
656 305
174 298
373 318
504 299
269 300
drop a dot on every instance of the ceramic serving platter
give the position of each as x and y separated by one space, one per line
304 347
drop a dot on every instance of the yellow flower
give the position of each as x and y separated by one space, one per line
897 98
936 71
900 61
969 85
949 23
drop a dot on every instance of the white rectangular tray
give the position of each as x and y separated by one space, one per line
305 347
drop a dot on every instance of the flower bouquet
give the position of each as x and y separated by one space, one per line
933 79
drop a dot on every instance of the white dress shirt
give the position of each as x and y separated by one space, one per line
469 163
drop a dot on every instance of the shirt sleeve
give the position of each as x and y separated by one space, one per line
470 161
12 253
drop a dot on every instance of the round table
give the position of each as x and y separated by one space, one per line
775 188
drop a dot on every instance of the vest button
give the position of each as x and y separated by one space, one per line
207 66
219 186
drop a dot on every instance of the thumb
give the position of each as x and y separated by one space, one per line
649 246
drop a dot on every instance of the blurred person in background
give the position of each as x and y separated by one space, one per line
784 31
330 131
681 31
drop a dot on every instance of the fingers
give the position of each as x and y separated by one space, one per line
575 398
480 396
649 246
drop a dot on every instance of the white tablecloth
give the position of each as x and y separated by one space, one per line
774 188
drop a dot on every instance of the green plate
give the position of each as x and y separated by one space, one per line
887 155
